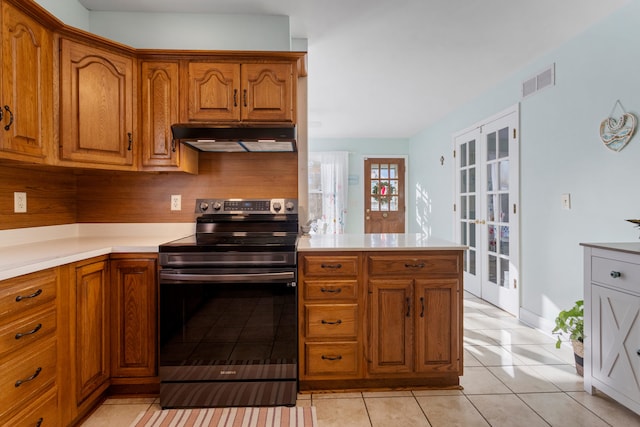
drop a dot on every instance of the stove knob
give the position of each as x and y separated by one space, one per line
204 206
277 206
289 206
217 206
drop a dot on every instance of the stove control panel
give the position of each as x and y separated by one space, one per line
256 206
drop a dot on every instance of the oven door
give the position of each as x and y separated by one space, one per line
226 325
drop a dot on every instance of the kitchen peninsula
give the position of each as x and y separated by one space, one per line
379 311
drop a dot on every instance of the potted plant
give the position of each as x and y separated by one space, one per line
571 322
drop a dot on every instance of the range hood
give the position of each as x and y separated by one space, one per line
219 139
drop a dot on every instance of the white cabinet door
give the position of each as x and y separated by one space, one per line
615 340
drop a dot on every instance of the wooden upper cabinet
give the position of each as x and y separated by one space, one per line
231 92
26 128
96 106
159 88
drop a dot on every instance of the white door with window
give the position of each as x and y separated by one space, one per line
487 208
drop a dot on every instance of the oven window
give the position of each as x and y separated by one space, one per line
227 324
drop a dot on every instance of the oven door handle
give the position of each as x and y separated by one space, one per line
226 278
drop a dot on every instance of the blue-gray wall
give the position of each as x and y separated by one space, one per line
561 152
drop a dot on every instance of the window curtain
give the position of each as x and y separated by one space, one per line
334 175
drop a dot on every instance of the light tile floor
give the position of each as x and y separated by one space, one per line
513 376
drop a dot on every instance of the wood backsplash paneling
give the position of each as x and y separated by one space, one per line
51 196
144 197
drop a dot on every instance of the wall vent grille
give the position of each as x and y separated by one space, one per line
543 79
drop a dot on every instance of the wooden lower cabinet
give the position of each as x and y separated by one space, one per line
134 324
83 337
380 319
28 349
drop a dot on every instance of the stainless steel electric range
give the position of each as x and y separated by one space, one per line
228 318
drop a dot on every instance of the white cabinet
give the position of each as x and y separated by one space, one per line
612 321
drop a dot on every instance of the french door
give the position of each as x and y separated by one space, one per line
487 208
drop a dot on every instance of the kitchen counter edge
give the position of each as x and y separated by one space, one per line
375 242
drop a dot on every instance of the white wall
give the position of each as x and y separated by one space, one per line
68 11
561 152
358 148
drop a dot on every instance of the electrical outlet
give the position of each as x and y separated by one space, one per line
176 202
19 202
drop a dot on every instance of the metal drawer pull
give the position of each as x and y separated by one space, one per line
338 357
615 274
327 322
33 295
8 110
331 291
331 265
421 265
31 332
26 380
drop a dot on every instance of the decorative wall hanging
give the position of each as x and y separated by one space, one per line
616 133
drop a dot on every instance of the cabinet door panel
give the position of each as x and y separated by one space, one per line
134 296
96 105
213 92
267 93
616 339
92 320
27 84
437 325
391 326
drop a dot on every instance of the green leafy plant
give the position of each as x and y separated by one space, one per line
571 322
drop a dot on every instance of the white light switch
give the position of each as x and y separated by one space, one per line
566 201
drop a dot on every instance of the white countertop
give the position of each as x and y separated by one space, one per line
374 242
24 251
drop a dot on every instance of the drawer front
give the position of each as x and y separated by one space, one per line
622 275
330 265
331 321
326 359
43 413
18 334
397 265
25 378
24 292
330 289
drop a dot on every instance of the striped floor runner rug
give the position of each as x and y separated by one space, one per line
230 417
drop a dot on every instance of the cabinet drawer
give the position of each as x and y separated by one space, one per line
24 378
331 321
622 275
32 290
413 265
18 334
330 265
330 289
331 358
42 413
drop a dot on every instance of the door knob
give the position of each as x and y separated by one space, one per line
384 215
368 218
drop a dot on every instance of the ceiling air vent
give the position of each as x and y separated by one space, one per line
544 79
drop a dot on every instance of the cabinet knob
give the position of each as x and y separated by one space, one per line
615 274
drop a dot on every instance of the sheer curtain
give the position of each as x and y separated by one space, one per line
333 170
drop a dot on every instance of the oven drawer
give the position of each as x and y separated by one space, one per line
330 289
420 264
331 321
331 359
20 333
330 265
